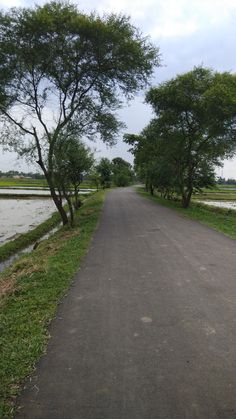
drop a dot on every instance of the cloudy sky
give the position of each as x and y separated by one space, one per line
188 33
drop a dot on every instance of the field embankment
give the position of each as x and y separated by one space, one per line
31 290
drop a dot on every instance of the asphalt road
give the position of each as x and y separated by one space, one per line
148 329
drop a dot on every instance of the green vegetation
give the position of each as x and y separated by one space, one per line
72 159
117 172
33 286
223 220
216 195
32 183
192 132
36 183
82 64
122 172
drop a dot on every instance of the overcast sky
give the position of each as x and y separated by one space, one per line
188 33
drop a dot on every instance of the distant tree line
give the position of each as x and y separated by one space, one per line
193 130
223 181
11 173
117 172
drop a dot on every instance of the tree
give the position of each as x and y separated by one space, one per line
104 168
122 172
94 177
72 160
196 126
66 70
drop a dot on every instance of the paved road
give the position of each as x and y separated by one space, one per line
148 329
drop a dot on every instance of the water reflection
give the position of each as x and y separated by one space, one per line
26 191
221 204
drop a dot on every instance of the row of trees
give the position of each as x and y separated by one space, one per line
118 172
223 181
12 173
62 76
193 130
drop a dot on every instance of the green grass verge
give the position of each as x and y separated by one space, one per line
37 282
220 219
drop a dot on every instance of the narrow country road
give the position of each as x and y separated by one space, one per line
148 328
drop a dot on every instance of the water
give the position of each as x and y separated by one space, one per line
8 262
21 215
32 192
221 204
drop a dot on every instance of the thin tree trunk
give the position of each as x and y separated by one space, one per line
68 200
186 198
56 199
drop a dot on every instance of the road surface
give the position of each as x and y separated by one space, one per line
148 328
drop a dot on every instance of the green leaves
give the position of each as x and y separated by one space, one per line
67 72
193 130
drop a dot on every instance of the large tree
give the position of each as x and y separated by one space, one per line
67 73
196 126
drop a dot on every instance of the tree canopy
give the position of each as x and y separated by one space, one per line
193 130
122 172
67 72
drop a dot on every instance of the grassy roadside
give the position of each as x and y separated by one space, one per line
33 287
220 219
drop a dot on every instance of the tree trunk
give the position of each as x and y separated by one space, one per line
68 200
186 198
78 202
56 199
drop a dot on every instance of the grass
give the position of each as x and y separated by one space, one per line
11 183
33 183
219 192
220 219
31 291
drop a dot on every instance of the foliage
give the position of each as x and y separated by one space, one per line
94 177
104 168
122 172
223 181
66 72
72 161
194 129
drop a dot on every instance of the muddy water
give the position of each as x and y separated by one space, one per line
221 204
26 191
17 216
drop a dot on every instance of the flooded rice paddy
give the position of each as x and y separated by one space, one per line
35 192
221 204
21 215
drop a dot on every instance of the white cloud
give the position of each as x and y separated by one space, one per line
169 18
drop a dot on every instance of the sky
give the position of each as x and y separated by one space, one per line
188 32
